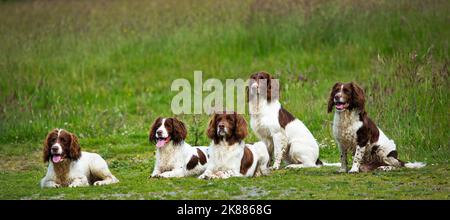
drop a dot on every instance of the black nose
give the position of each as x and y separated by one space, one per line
54 148
159 133
336 96
221 126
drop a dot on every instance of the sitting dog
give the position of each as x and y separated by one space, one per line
354 131
286 137
229 155
175 157
69 166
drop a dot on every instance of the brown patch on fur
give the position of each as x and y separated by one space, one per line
152 133
246 161
368 133
234 123
201 157
284 117
176 129
192 162
334 90
52 136
75 149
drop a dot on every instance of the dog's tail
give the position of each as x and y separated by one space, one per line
320 163
415 165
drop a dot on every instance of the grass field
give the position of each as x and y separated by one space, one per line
103 70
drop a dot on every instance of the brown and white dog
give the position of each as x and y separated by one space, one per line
229 155
175 157
286 137
69 166
355 132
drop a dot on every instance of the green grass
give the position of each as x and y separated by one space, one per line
103 71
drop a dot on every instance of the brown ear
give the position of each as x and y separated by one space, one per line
46 151
241 127
152 133
179 131
75 150
331 98
211 131
358 97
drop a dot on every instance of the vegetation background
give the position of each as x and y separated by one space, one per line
103 70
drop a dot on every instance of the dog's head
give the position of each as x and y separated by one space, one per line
346 96
165 130
228 126
263 84
61 145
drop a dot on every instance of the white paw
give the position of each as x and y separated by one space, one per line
155 175
275 167
73 185
53 185
354 170
99 183
164 175
204 177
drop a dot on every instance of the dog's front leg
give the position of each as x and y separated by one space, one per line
48 183
280 143
178 172
79 181
343 168
357 159
155 172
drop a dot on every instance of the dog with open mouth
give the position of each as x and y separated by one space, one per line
355 132
69 166
175 157
229 155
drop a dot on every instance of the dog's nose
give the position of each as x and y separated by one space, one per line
221 126
54 148
159 133
336 97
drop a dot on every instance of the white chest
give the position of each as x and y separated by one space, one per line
265 121
226 157
169 157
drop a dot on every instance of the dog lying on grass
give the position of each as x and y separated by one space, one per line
229 155
69 166
175 157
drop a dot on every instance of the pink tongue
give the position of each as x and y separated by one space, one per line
56 159
160 143
340 106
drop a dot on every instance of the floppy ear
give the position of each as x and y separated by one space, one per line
241 127
46 151
152 133
75 150
211 131
358 97
179 131
331 98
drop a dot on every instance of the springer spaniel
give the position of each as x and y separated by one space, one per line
354 131
175 157
229 155
285 136
69 166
